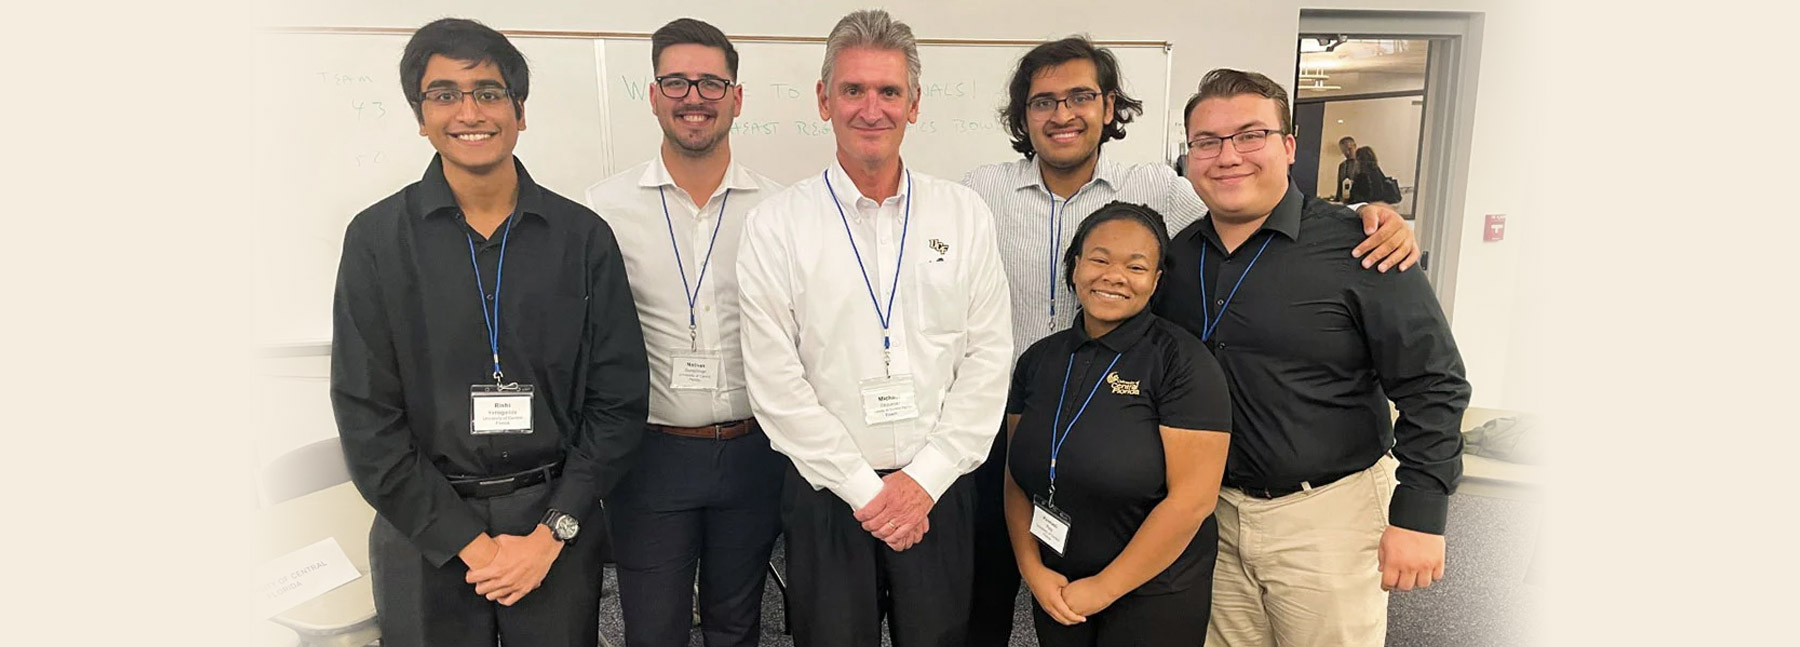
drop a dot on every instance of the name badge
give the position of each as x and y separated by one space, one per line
1049 524
497 409
889 399
695 370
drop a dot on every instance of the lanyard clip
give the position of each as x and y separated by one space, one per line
693 336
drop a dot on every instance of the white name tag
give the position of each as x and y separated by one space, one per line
287 581
889 399
695 370
500 409
1049 524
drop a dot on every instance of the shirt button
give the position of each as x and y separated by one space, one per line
1219 346
490 297
506 454
1219 302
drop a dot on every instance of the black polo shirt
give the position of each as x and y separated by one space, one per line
409 340
1109 472
1315 346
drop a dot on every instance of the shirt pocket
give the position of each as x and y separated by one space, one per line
942 301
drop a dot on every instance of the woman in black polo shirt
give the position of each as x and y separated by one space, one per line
1119 428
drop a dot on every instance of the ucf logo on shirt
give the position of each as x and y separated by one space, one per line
1122 387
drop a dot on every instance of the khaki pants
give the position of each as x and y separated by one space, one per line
1301 570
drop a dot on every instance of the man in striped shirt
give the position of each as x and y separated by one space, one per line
1064 101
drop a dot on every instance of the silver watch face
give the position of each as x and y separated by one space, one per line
566 526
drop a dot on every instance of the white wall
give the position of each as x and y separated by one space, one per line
1206 34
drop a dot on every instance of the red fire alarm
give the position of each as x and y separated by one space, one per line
1496 228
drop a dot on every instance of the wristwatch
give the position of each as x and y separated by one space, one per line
562 525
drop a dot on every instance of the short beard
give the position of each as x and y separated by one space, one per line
1073 165
710 145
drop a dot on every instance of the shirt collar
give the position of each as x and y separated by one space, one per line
847 193
434 195
656 174
1122 338
1285 219
1027 174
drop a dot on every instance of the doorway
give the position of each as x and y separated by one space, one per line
1401 84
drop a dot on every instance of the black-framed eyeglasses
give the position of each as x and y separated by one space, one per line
677 87
447 97
1076 101
1249 141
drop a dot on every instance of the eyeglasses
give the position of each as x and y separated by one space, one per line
1248 141
676 87
1076 100
446 97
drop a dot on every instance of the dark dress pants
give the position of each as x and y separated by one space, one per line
1175 619
696 504
420 605
842 580
1168 620
996 574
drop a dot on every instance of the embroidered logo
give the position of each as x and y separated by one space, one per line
1122 387
938 246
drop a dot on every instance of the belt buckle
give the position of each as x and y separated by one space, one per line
495 487
718 431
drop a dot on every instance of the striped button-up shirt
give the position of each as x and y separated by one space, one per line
1035 227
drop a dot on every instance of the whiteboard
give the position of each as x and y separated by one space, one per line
333 134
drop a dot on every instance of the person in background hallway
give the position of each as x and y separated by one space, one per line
1064 102
1346 170
1313 530
705 492
1119 427
1369 184
884 386
487 370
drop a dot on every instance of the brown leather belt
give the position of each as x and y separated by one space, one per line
721 431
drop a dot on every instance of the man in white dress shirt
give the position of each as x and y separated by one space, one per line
1064 101
705 492
877 342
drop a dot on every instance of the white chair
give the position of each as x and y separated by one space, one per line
307 496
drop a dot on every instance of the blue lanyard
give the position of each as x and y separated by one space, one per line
492 319
692 294
1056 441
1208 323
885 317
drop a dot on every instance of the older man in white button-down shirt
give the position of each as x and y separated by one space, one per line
877 342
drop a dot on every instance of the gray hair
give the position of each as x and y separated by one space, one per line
874 29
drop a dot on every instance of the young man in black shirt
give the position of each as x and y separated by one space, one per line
1312 527
488 372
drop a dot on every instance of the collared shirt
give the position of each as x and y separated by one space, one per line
409 340
633 203
1315 346
1145 374
811 334
1036 227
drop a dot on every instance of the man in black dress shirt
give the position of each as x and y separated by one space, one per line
488 372
1312 528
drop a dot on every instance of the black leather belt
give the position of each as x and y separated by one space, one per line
1278 491
481 487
